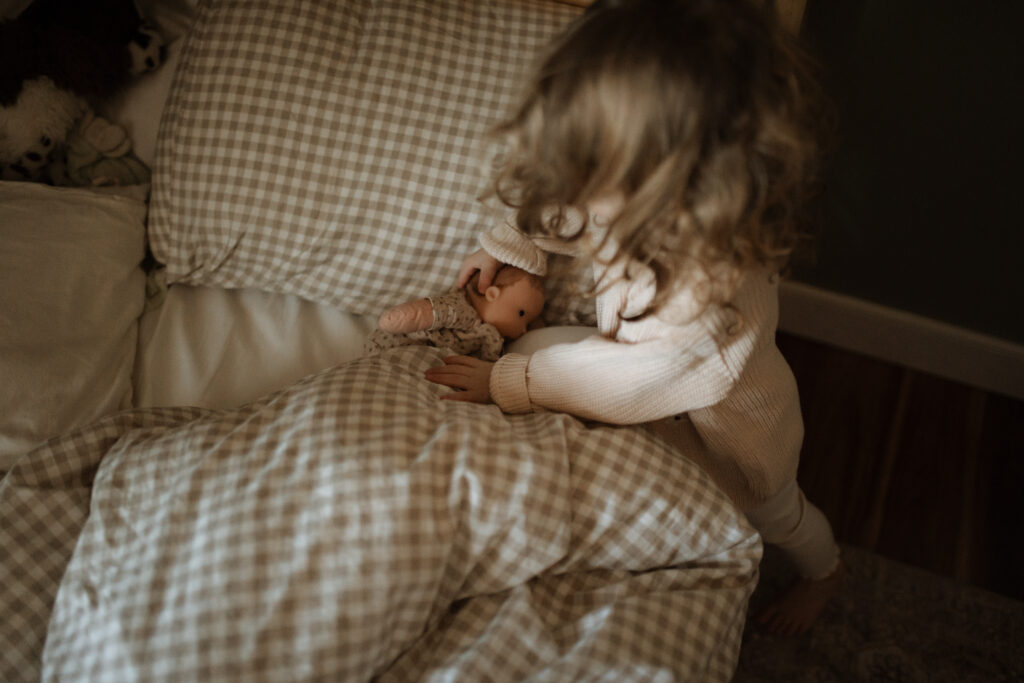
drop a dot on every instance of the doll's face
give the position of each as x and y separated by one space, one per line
512 308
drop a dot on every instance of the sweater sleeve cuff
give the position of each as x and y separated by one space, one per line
445 309
508 384
510 245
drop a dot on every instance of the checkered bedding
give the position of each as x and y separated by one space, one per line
354 527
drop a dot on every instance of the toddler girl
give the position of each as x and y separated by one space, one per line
666 143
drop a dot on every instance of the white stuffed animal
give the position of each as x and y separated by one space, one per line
60 59
35 126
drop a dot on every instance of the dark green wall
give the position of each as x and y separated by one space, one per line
924 207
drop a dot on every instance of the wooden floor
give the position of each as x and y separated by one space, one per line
913 467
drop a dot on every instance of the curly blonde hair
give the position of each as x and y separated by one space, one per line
701 113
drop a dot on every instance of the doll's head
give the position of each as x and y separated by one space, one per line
512 303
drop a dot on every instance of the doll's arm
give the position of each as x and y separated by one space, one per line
411 316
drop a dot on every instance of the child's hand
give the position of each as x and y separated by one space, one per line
470 374
485 263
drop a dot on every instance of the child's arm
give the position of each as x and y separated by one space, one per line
506 244
600 379
614 382
595 379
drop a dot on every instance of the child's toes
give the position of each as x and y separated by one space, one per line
794 612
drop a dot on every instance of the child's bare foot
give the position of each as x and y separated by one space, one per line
797 609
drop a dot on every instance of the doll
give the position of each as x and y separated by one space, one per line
463 319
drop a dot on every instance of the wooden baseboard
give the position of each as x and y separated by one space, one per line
791 12
903 338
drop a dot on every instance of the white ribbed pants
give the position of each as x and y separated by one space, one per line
791 522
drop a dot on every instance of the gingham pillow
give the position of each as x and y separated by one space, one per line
333 149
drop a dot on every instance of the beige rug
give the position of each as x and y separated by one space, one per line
891 622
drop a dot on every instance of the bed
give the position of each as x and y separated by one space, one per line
206 479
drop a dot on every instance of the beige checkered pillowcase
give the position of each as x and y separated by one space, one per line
332 149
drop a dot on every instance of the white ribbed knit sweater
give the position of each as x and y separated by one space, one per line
721 368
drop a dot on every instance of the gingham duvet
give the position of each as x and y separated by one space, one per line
354 527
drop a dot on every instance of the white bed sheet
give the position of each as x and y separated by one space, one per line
218 348
221 348
138 109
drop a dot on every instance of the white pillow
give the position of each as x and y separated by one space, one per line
72 292
219 348
138 108
172 18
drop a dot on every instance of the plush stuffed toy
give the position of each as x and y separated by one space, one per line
465 320
62 59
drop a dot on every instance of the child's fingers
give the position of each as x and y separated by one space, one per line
452 374
487 273
465 274
480 261
458 378
461 361
447 378
466 373
470 265
452 363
